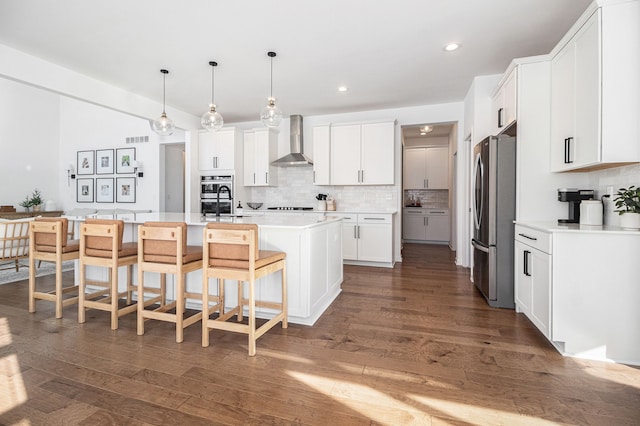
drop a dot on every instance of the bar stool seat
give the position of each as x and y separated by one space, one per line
101 245
230 251
48 242
162 248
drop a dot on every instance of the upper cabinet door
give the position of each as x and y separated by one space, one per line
504 103
216 150
415 161
562 107
345 154
437 168
377 159
260 149
321 155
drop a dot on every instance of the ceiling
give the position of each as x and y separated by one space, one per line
439 135
389 54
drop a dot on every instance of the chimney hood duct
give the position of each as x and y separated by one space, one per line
296 157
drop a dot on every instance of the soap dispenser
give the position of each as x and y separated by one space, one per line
239 209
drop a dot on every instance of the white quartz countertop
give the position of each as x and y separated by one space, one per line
326 212
577 228
266 221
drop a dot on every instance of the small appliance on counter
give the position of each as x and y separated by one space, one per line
574 197
591 213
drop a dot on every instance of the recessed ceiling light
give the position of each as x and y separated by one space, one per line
451 47
343 89
422 133
426 129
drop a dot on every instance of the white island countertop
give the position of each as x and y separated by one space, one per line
265 221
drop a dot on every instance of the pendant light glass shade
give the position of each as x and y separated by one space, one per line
271 115
163 125
212 120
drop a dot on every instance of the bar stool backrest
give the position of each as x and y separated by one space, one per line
160 247
230 244
103 243
49 238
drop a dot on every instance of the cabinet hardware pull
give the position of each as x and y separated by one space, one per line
355 232
526 271
373 218
424 183
569 139
435 212
254 178
427 186
500 111
362 174
528 237
266 177
314 176
424 221
427 217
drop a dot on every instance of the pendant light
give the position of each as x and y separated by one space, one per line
212 120
163 125
271 115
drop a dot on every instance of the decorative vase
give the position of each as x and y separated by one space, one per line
37 208
630 220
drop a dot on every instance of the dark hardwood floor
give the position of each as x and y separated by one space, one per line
412 345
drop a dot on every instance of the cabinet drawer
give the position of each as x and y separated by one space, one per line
413 211
534 237
346 217
437 212
374 218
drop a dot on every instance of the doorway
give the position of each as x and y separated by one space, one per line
429 184
173 179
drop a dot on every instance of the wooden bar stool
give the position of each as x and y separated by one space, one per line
230 251
48 242
162 248
101 245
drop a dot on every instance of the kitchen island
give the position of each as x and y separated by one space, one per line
313 245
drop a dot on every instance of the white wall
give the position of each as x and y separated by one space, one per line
29 139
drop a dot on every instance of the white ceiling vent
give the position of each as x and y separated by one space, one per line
137 139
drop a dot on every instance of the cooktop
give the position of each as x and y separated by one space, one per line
290 208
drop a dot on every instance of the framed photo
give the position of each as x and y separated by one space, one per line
86 164
104 190
84 190
126 190
124 160
104 162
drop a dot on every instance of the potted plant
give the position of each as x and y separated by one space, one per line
627 203
36 200
26 203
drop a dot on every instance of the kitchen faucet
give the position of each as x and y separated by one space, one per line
220 188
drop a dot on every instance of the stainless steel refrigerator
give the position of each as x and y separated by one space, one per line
494 208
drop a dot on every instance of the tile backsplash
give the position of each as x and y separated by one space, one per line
434 198
296 188
618 177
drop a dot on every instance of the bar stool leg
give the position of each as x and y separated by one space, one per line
252 318
114 298
205 308
179 306
240 305
59 286
81 289
129 283
32 284
285 322
163 289
140 301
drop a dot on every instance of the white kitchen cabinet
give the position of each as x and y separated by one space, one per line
426 168
362 154
504 103
594 109
321 155
367 238
426 225
218 151
260 149
533 277
563 285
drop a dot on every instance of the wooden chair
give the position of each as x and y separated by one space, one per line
230 251
48 242
162 248
101 245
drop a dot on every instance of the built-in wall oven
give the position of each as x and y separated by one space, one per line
216 194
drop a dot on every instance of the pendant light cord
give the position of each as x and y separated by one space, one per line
271 73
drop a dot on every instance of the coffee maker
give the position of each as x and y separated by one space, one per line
574 196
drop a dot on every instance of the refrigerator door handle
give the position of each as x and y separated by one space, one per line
477 209
478 245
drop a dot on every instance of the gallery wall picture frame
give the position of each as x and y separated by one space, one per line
84 190
125 190
86 163
104 190
104 161
124 160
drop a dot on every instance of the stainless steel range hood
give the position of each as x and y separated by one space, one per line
296 157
